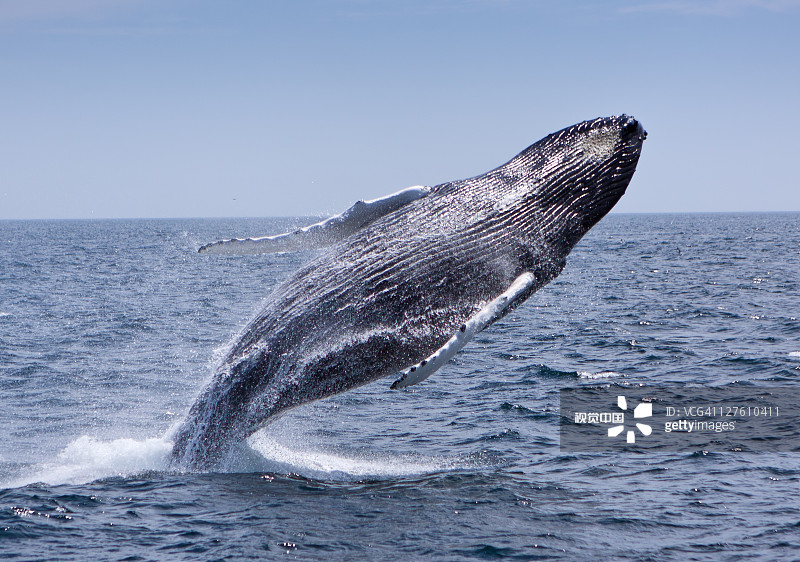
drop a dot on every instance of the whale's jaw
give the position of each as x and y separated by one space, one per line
565 183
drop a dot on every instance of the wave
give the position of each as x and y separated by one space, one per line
267 454
88 459
598 375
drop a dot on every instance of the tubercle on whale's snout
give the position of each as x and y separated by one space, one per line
633 127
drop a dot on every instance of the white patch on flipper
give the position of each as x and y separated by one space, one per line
323 233
483 318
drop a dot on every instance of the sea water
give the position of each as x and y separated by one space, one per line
109 329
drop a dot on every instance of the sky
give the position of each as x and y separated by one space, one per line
196 108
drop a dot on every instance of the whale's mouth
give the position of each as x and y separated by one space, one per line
615 173
565 183
632 135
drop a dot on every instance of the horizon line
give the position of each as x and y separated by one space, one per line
231 217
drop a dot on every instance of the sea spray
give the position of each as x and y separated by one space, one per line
86 459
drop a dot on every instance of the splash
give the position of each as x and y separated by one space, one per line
599 375
87 459
265 453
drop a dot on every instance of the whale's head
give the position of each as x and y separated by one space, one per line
565 183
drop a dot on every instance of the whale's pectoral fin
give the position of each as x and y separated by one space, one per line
321 234
495 309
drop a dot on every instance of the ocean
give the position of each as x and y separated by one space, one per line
109 329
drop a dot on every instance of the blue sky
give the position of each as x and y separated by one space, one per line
178 108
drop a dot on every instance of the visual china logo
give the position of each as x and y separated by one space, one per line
643 410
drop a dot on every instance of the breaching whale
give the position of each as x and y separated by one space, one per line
405 281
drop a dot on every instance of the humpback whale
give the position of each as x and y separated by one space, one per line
403 282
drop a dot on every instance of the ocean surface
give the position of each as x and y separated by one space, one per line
109 329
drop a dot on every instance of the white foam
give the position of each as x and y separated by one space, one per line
600 375
87 459
794 354
269 455
4 314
